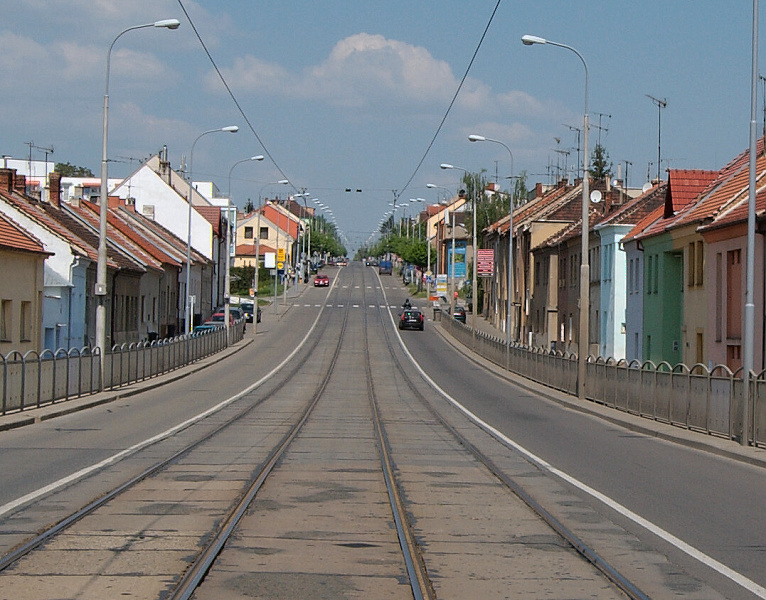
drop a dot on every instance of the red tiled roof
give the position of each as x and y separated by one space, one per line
249 249
212 215
684 189
14 237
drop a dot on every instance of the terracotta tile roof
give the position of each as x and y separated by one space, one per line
249 249
633 211
123 244
212 215
644 223
170 244
684 189
540 208
36 210
727 202
14 237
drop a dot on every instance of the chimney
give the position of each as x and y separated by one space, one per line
164 165
54 189
538 190
20 183
6 180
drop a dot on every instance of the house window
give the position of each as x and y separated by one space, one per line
26 322
248 233
264 233
734 294
691 264
718 287
5 320
699 264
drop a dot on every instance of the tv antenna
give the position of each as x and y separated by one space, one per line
660 105
599 127
579 131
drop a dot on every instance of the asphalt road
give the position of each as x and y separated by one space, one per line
714 505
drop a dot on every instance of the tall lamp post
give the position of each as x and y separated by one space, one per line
509 307
474 285
582 351
189 198
100 291
749 316
227 284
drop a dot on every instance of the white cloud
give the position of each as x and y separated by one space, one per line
361 70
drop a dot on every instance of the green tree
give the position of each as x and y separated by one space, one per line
600 165
68 170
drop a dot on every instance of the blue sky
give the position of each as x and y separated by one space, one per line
349 94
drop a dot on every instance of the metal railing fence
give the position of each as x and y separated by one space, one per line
33 380
695 398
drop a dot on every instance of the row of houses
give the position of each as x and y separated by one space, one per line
49 247
667 268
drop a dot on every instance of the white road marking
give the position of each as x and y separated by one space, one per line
13 504
688 549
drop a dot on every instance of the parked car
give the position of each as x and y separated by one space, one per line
321 280
235 315
205 328
412 318
248 308
459 314
220 318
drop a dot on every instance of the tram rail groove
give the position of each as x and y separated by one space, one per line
197 571
588 553
416 568
47 534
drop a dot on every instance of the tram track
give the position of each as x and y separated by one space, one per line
50 532
623 583
396 399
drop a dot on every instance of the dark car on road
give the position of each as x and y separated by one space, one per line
248 308
459 314
411 318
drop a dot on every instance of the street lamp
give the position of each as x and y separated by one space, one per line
509 306
189 198
100 291
474 285
227 284
582 352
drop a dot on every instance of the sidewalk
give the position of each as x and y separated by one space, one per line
64 407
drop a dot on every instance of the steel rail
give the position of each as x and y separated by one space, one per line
50 532
204 561
420 583
587 552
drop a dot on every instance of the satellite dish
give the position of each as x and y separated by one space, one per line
615 182
595 196
646 187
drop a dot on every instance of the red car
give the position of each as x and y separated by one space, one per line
321 281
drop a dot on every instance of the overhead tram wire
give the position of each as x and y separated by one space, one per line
232 96
454 98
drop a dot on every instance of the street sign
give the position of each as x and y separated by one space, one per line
281 255
485 263
280 265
